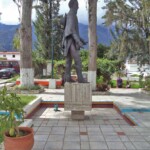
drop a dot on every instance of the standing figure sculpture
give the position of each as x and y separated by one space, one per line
72 43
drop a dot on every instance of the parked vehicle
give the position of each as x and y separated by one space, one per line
10 64
7 73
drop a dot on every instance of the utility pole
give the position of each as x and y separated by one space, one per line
52 39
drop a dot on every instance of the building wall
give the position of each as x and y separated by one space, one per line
132 66
10 55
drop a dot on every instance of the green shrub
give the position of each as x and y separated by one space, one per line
135 85
35 87
147 83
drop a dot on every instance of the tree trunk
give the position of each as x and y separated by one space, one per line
26 70
92 42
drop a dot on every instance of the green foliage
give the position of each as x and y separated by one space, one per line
147 83
35 87
141 83
26 99
106 68
5 123
134 84
12 104
102 51
39 63
101 84
48 30
13 79
100 80
84 55
16 40
132 29
59 67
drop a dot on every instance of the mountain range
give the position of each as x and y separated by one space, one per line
7 33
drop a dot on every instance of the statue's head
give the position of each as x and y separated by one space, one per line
73 4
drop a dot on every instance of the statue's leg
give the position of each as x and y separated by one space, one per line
78 65
67 77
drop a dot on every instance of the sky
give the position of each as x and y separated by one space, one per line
10 13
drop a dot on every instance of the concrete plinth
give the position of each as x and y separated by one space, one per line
52 84
77 115
78 98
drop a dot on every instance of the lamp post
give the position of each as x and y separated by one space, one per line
52 39
52 82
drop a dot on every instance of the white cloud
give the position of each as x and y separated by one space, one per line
10 14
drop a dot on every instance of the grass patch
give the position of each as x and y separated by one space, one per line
4 125
26 99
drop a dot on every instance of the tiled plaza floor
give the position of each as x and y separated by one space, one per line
102 129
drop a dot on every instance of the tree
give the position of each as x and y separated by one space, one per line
16 40
102 51
48 30
132 29
26 70
92 42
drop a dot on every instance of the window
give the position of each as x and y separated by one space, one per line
13 56
4 55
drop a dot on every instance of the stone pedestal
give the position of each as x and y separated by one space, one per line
52 84
77 115
78 98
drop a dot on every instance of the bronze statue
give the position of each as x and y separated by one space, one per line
72 43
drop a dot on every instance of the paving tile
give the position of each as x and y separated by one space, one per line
116 145
84 138
72 137
85 145
39 145
42 133
111 138
56 137
58 130
136 138
71 145
129 145
98 146
44 129
95 138
41 137
141 145
124 138
53 145
72 130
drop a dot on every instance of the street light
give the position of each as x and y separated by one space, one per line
52 39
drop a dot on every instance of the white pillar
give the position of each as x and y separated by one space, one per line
27 76
92 79
52 83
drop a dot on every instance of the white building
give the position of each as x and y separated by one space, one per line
133 68
10 55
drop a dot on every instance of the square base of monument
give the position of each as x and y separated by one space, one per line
77 115
78 96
